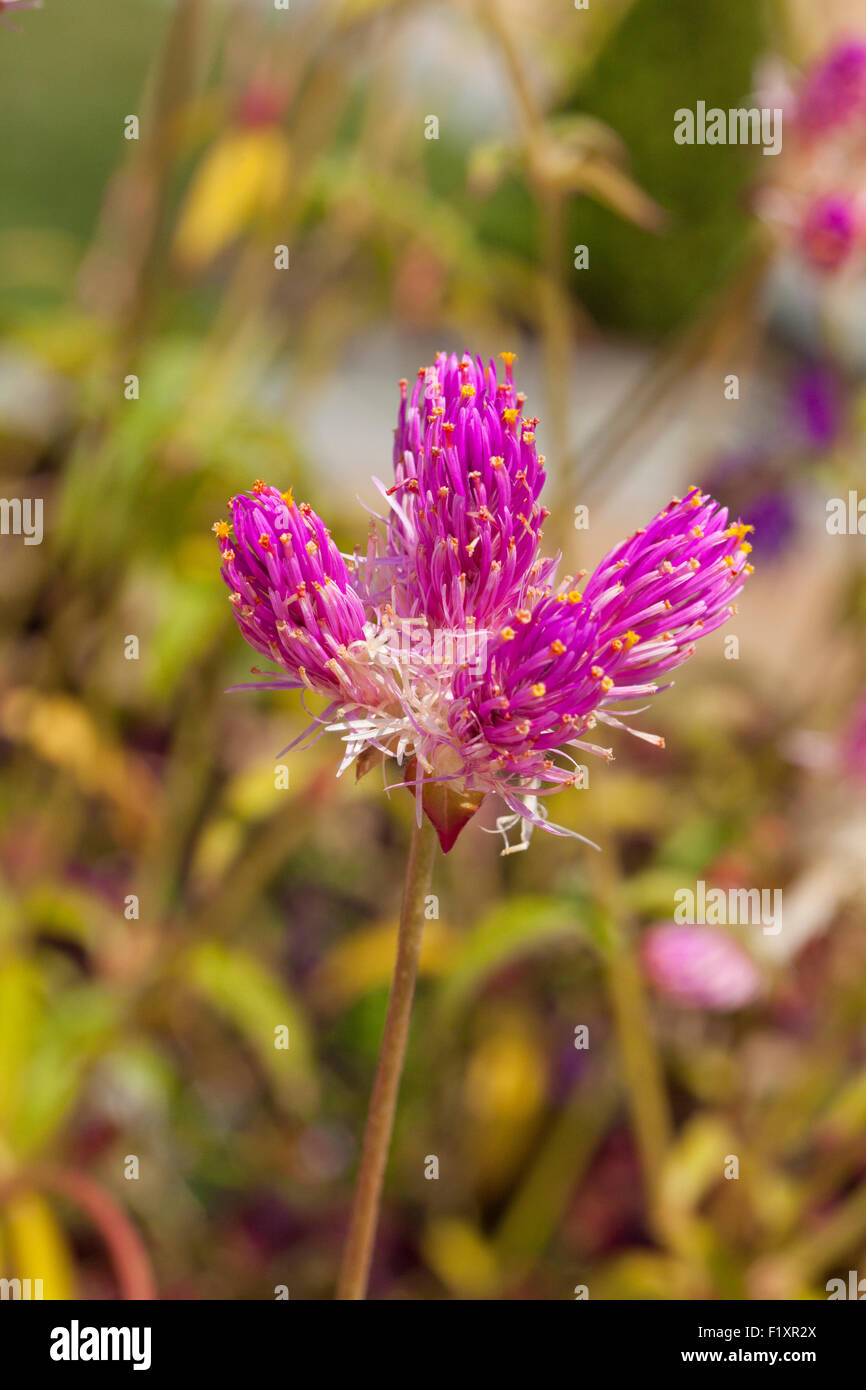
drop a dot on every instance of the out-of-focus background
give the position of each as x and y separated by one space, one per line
227 230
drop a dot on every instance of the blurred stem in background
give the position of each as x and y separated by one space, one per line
642 1074
118 275
554 308
358 1253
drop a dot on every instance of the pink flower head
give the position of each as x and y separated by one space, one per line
447 647
834 90
700 966
830 231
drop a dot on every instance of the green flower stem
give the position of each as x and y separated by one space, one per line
355 1270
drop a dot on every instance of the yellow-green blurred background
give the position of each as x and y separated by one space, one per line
151 1036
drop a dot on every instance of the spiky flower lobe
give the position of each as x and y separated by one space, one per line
670 583
289 587
466 523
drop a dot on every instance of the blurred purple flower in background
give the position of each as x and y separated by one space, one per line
817 401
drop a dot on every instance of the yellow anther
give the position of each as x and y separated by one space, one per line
596 672
259 485
508 357
467 389
539 689
631 638
607 683
221 529
745 547
574 596
508 634
523 615
265 541
557 647
510 415
287 497
497 461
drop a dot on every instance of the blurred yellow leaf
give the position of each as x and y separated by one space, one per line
37 1246
503 1095
62 732
364 961
461 1257
20 1003
245 173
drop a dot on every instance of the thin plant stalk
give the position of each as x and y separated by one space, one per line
641 1069
358 1253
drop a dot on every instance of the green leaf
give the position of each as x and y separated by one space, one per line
73 1030
510 930
256 1003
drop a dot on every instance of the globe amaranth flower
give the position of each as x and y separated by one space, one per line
448 645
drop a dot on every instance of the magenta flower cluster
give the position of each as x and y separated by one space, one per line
449 645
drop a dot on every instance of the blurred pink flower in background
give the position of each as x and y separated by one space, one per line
815 197
699 966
